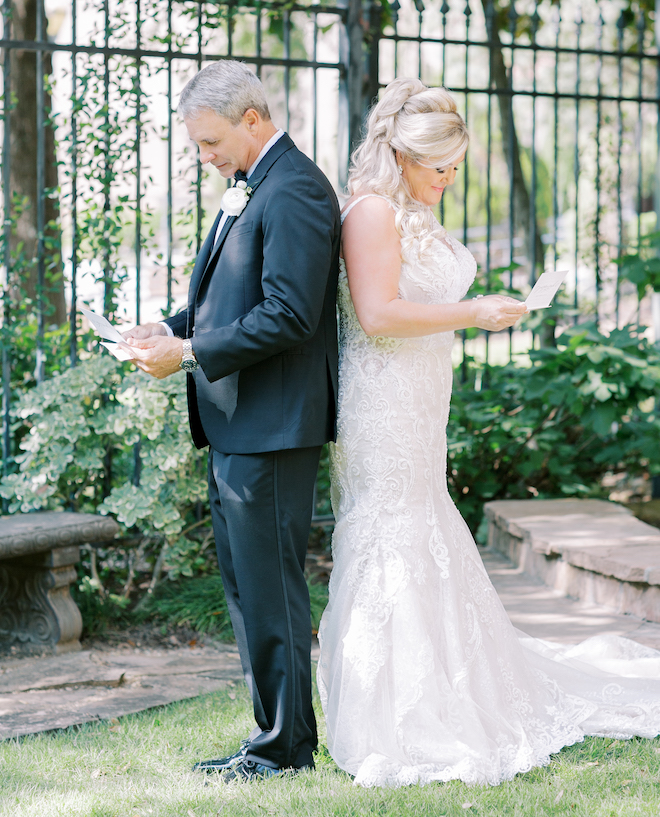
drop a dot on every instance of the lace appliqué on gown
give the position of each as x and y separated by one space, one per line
422 676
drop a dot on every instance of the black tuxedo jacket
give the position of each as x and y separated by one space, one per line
261 314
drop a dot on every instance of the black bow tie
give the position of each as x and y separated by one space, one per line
240 176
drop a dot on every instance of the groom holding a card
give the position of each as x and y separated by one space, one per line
258 340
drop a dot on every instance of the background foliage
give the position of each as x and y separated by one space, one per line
580 411
102 437
81 431
553 424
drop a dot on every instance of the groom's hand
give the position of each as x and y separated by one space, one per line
157 355
145 330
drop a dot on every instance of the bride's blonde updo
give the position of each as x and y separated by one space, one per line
424 125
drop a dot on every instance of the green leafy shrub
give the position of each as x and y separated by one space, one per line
200 603
556 427
106 438
99 611
80 432
642 268
318 600
21 337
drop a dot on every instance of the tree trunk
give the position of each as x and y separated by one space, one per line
524 214
524 217
23 172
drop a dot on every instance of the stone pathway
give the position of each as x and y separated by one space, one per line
38 694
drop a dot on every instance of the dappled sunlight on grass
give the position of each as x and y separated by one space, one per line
140 765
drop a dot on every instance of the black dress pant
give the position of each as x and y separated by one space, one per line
261 506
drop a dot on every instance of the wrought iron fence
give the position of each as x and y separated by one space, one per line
562 102
118 204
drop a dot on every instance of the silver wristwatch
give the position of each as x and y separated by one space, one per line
188 361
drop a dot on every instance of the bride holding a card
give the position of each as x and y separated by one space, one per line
422 676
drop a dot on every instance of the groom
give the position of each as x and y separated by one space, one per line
258 340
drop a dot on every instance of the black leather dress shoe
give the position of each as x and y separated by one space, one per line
222 764
250 770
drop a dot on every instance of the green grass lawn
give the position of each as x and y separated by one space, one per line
140 765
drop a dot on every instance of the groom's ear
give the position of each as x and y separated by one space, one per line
251 120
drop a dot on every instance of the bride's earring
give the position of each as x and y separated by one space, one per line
400 170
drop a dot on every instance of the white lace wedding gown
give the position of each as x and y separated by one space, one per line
421 674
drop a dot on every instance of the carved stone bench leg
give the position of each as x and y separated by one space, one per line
37 613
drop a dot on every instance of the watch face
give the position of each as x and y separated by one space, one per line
189 365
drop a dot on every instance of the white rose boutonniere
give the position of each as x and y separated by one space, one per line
234 200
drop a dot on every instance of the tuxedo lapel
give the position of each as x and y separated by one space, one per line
202 260
218 244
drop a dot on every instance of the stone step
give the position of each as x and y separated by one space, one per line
588 549
545 613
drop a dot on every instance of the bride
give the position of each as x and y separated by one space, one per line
422 676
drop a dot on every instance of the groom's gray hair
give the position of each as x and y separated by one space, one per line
226 87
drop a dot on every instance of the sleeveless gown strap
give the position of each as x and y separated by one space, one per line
362 198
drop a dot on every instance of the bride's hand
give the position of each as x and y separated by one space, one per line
496 312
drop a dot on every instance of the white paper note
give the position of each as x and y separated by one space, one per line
121 352
545 289
112 339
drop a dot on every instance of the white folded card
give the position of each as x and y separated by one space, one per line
545 289
112 339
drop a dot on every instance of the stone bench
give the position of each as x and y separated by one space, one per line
588 549
38 552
